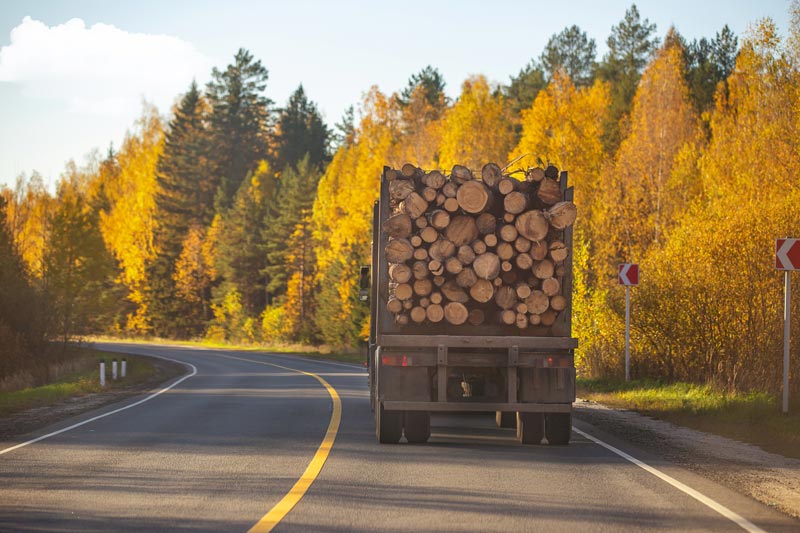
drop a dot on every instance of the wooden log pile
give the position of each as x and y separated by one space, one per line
472 250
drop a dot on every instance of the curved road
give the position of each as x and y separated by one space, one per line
224 446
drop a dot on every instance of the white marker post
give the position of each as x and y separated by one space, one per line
114 369
124 367
102 373
787 258
629 276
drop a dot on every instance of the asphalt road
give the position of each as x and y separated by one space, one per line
224 446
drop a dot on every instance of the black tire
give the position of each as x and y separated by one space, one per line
388 425
530 428
558 428
505 419
417 426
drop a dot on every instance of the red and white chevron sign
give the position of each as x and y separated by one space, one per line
628 274
787 254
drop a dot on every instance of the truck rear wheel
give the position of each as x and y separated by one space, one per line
505 419
558 428
530 428
388 425
417 426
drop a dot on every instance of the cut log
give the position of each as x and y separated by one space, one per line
390 174
506 266
532 225
456 313
439 219
394 305
442 249
453 292
508 317
561 270
535 320
507 185
509 218
476 317
460 175
505 297
558 251
399 189
562 215
524 261
429 194
466 278
482 291
429 234
453 265
544 269
479 247
424 302
558 302
403 291
401 320
515 202
490 240
434 264
491 174
434 179
398 226
435 313
414 205
551 286
420 254
440 198
538 250
521 308
505 251
509 278
421 222
486 266
423 287
549 317
436 297
408 170
487 223
462 230
521 244
450 205
474 197
420 270
416 241
549 192
497 282
537 302
399 273
399 251
438 280
509 233
521 321
551 172
466 254
523 291
450 189
535 174
418 314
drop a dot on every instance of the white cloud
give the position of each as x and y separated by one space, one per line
101 69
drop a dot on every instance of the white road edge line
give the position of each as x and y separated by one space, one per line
115 411
702 498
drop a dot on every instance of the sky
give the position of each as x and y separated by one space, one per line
73 74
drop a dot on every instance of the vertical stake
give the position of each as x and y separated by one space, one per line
124 367
114 369
102 372
627 333
787 327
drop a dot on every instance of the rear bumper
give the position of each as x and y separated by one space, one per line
392 405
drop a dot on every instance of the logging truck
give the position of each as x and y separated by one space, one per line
470 293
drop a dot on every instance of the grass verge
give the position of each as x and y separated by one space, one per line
84 380
754 417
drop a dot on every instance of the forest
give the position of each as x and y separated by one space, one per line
233 219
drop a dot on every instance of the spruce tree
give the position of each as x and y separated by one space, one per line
300 132
574 52
524 87
432 83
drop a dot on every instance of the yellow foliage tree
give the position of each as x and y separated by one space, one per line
421 131
477 129
28 214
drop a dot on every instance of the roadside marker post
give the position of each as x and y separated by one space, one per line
114 369
102 372
787 258
124 367
628 275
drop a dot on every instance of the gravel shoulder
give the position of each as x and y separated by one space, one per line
39 417
769 478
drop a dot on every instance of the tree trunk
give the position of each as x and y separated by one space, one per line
462 230
486 266
491 174
398 226
474 197
399 251
532 225
456 313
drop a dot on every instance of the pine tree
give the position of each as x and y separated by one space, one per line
574 52
300 132
432 83
240 122
524 87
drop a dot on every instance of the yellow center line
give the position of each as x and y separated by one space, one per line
296 493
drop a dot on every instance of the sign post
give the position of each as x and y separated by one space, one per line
787 258
629 276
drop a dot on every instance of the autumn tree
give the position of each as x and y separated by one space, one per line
431 82
192 277
239 123
422 104
27 214
301 132
572 51
476 129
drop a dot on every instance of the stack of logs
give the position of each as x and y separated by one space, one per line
472 251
